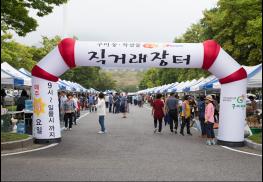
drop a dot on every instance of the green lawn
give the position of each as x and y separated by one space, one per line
7 137
256 138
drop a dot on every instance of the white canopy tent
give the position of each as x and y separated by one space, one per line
8 80
24 71
15 73
254 77
188 88
255 81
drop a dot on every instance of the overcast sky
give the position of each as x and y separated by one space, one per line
119 20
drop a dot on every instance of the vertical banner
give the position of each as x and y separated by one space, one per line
232 112
46 123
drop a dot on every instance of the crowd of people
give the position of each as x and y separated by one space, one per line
169 109
70 106
174 110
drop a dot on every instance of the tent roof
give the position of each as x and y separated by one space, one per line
24 71
15 73
7 79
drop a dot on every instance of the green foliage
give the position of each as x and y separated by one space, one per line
156 77
14 14
194 34
150 79
47 45
90 77
126 80
128 88
235 25
17 55
21 56
104 81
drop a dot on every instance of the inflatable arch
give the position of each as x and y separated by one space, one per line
207 55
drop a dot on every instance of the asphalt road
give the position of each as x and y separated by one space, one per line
130 151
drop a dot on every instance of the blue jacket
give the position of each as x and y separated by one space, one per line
201 109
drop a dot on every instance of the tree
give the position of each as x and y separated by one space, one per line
48 44
237 27
21 56
17 55
104 81
150 79
194 34
14 14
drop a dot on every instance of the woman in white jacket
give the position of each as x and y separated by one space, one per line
101 111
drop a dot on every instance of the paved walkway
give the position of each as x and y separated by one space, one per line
130 151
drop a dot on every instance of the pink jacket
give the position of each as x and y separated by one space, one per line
209 113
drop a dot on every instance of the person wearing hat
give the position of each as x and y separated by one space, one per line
186 115
210 120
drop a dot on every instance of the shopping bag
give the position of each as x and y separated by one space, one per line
197 124
216 125
248 131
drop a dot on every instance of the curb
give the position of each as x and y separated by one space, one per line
20 144
17 144
253 145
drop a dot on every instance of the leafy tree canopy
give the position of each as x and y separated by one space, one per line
15 14
235 25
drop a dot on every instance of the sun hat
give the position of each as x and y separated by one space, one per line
209 97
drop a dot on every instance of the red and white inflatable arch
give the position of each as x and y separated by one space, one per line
71 53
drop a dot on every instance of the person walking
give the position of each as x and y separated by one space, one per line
124 105
135 99
69 109
172 109
20 104
201 115
82 101
210 120
139 100
110 102
76 106
158 112
186 115
216 106
3 95
62 98
96 97
117 103
193 107
107 101
101 111
91 102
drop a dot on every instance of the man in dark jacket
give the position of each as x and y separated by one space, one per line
21 101
172 107
201 113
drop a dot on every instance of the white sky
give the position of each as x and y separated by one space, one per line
120 20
